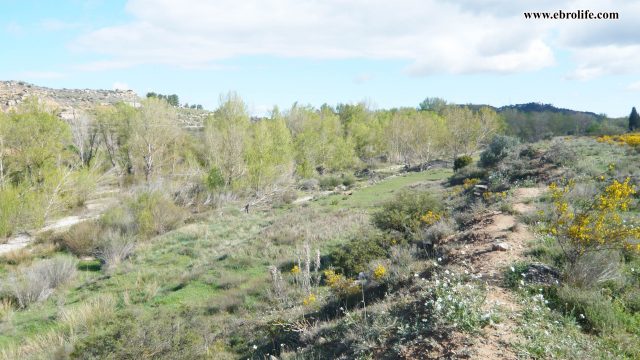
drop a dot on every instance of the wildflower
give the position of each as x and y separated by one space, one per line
309 300
379 272
255 347
295 270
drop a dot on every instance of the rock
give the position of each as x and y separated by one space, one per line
542 274
500 247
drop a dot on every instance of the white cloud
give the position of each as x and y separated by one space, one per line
454 36
120 86
431 35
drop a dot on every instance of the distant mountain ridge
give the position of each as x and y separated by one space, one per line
538 107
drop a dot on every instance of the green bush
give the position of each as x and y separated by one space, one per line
354 256
403 212
155 214
214 180
348 180
590 307
498 149
468 172
461 162
329 182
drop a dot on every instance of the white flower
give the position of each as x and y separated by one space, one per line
581 316
513 269
255 347
439 259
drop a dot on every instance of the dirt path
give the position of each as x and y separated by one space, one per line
496 241
92 209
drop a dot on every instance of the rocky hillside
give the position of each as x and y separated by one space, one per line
73 101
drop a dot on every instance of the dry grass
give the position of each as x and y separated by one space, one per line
38 281
115 248
309 224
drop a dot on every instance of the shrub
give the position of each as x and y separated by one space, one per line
155 214
596 227
82 239
590 307
37 282
214 180
594 268
404 211
288 196
329 182
438 231
498 149
468 172
119 219
560 153
309 184
353 257
461 162
115 248
348 180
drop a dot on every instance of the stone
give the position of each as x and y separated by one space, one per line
500 247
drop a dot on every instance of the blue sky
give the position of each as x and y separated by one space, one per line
276 52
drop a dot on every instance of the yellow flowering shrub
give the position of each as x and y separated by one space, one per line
632 139
431 217
492 197
309 300
379 272
340 285
600 225
470 183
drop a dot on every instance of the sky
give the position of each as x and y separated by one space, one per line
389 53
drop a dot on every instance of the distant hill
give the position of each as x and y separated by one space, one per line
533 107
70 102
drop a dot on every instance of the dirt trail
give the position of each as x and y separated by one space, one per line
496 241
92 209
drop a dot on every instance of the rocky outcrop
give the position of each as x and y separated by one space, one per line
70 102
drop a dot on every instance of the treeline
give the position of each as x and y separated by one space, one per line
48 165
173 100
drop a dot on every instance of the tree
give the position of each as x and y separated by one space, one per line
154 132
634 120
114 124
319 141
433 104
86 137
226 135
269 153
469 130
414 137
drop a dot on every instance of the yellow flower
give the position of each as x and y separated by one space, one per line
379 272
309 300
430 217
295 270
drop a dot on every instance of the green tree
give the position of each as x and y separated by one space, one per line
415 137
634 120
269 153
226 134
319 142
115 126
433 104
154 133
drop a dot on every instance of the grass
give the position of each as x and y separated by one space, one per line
209 279
372 196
